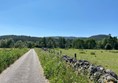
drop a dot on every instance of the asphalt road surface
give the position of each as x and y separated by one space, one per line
27 69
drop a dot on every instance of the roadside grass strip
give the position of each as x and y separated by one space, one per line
56 70
9 55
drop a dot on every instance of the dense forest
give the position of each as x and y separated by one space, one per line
93 42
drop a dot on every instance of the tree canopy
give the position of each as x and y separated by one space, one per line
61 42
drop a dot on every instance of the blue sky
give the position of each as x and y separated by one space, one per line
58 17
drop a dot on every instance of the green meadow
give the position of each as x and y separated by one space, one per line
106 58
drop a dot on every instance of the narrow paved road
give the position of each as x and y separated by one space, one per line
27 69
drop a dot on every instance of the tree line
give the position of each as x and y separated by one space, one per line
61 42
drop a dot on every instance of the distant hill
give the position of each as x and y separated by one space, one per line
96 37
30 38
66 37
99 37
20 37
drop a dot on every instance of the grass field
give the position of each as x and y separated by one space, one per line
9 55
106 58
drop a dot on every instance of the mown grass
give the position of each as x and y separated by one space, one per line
58 71
106 58
8 56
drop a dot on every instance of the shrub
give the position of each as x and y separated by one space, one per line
108 46
92 53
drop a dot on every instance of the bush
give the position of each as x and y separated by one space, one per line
108 46
92 53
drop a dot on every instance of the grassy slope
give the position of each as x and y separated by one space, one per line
108 59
